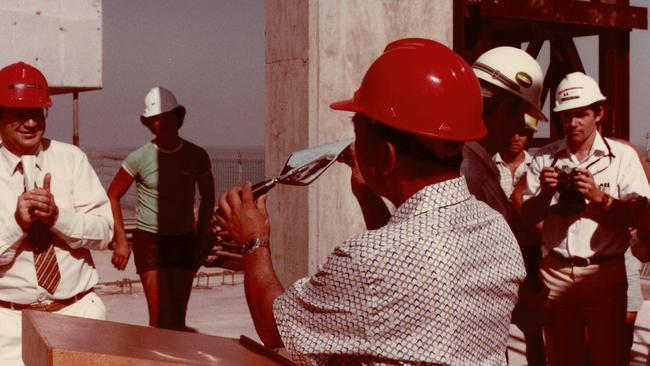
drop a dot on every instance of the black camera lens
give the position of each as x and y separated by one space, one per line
571 201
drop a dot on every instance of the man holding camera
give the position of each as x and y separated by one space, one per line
573 187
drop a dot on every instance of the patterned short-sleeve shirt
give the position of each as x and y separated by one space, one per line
429 287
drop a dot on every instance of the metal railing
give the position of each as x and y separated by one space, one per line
201 281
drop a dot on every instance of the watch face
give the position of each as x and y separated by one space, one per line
250 245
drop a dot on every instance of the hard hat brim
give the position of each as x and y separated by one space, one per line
537 113
27 104
350 105
146 115
345 105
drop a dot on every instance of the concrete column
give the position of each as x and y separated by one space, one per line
317 52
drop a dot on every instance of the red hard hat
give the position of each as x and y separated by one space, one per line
421 87
23 86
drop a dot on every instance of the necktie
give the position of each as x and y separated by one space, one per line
47 268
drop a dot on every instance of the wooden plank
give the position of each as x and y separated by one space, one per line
605 16
56 340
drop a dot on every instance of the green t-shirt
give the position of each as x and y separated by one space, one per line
166 182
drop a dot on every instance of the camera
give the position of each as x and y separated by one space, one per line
571 201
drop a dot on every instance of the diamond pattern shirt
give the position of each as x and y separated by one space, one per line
429 287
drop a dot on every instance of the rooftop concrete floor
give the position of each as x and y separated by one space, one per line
221 309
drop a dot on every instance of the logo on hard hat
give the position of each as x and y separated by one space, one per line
24 86
523 79
565 98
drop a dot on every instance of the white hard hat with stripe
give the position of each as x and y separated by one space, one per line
577 90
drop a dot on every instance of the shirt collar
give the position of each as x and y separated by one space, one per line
432 197
10 160
527 157
598 147
497 158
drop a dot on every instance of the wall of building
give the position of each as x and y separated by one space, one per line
62 38
317 52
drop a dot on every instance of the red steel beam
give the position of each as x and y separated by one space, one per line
595 14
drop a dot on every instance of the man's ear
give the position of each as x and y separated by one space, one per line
389 158
600 113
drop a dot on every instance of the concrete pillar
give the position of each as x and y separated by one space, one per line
317 52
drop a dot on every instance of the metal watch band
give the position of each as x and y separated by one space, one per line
250 245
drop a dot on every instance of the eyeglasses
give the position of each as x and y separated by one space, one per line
22 115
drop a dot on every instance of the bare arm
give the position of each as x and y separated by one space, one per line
205 182
117 189
262 287
246 219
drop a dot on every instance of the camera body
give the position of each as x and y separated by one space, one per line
571 201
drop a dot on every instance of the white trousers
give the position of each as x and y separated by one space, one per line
90 306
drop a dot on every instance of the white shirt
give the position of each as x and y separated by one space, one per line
590 233
507 181
85 222
427 287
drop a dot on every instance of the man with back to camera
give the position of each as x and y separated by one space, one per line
422 288
53 211
574 186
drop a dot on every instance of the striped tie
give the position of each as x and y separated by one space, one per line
47 268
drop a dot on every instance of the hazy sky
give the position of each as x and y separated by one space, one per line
211 54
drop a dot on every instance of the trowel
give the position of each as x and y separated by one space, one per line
304 166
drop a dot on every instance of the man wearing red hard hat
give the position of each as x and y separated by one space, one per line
53 211
422 287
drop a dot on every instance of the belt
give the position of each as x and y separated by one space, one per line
46 305
583 262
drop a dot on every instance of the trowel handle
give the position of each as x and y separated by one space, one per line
263 187
258 189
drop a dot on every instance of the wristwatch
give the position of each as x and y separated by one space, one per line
250 245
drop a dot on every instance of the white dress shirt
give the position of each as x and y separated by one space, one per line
428 287
85 222
590 233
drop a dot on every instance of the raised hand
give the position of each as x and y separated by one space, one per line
42 205
548 178
244 218
584 182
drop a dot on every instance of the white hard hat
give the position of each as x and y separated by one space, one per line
577 90
516 71
158 101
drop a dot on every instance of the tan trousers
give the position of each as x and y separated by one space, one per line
89 306
591 298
